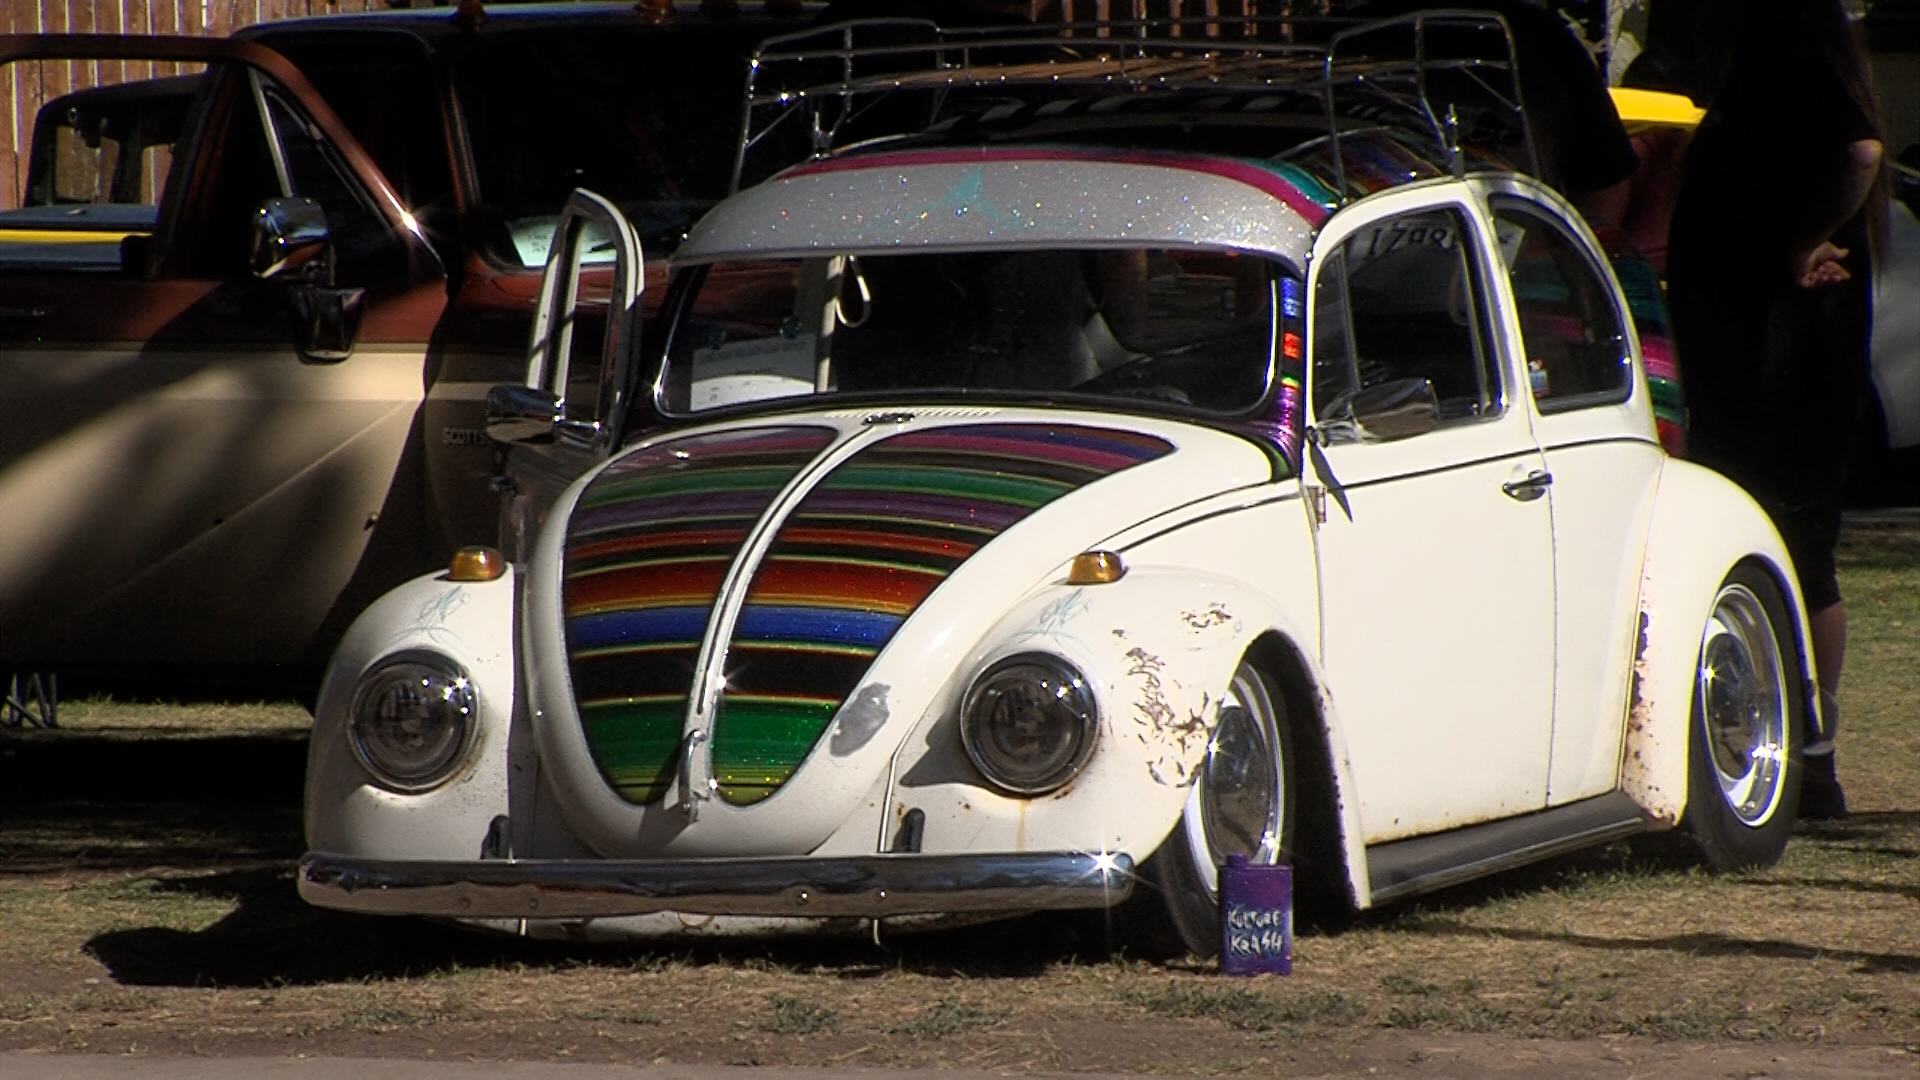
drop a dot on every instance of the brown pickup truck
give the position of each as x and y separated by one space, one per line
227 426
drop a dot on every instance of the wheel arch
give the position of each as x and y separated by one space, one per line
1328 851
1703 527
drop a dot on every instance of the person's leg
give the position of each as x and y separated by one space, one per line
1821 796
1828 628
1812 534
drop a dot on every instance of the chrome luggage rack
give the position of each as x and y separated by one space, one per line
879 80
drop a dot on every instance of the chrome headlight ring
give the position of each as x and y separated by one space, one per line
415 720
1029 723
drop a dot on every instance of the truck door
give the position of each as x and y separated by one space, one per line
211 432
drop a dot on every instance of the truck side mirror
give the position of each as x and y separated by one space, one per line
292 243
291 239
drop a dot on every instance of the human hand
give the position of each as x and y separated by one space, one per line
1821 266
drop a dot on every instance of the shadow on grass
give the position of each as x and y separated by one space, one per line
272 938
217 771
91 837
1694 945
71 801
1873 836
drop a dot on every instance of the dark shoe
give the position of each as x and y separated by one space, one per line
1821 797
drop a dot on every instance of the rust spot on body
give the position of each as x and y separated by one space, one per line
1639 709
1164 728
1214 615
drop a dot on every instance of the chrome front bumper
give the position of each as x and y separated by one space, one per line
873 886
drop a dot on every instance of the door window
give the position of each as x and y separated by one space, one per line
1397 304
385 93
258 146
1576 344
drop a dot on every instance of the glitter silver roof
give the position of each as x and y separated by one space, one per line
883 202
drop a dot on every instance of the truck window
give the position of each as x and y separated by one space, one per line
212 235
648 119
385 91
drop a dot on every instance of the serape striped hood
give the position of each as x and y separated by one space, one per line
770 556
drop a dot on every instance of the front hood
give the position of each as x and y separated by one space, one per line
724 594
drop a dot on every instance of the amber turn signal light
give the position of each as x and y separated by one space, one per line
476 564
1096 568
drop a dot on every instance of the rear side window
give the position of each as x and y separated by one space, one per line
1576 342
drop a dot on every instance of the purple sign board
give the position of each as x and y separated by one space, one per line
1256 918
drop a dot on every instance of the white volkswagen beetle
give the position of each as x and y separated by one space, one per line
1039 510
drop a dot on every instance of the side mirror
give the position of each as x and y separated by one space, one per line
291 239
291 243
523 414
1396 409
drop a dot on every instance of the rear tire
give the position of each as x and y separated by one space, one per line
1748 720
1242 803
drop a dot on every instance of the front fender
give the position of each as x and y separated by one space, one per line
1703 526
1158 647
347 812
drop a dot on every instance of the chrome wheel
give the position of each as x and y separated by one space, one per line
1742 704
1238 804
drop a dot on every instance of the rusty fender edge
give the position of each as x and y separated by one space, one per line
872 886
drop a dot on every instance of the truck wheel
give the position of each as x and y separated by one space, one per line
1743 753
1241 804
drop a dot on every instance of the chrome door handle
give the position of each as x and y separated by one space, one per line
1529 487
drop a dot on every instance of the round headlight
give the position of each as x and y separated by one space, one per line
414 719
1029 723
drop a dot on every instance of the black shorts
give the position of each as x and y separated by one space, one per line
1812 532
1800 489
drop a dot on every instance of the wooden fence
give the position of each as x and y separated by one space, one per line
27 86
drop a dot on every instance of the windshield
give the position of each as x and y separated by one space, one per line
1186 328
647 119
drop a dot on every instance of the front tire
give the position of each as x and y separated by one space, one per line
1242 803
1748 719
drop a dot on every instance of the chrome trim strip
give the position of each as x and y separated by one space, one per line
873 886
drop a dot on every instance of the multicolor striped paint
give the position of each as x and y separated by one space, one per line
860 553
1646 303
649 543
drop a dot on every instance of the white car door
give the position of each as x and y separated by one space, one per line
1597 433
1436 554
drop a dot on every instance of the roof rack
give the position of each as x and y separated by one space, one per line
1434 73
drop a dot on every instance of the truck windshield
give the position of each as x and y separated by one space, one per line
1185 328
645 118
